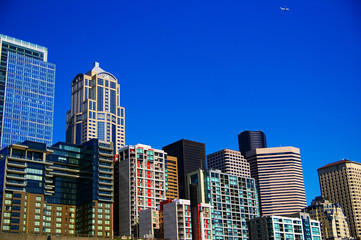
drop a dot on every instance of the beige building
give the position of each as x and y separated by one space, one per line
171 166
340 182
279 178
95 109
229 161
333 221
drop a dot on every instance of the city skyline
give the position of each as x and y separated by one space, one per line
225 67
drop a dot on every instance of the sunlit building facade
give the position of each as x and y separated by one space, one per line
171 174
63 190
27 89
95 109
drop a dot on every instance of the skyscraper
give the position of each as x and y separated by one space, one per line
229 161
171 176
279 178
139 185
95 109
248 140
27 88
191 156
341 183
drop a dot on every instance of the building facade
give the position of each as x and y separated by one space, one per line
178 222
171 174
279 177
27 89
95 109
233 198
150 224
284 227
191 156
248 140
64 190
229 161
139 185
340 182
333 221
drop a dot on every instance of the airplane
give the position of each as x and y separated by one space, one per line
284 8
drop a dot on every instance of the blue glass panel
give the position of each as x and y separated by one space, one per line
100 98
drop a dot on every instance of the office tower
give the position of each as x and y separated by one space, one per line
248 140
139 185
171 175
27 88
95 109
233 198
279 178
284 227
341 183
333 221
229 161
61 190
191 156
178 224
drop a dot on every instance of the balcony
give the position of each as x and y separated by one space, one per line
16 170
16 183
16 177
17 164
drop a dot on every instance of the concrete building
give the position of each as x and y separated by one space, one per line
341 183
95 109
150 224
139 185
178 223
279 178
171 174
191 156
248 140
233 198
62 190
27 89
333 221
284 227
229 161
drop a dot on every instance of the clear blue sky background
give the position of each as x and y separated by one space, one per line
206 70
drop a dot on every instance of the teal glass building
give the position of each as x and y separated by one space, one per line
27 88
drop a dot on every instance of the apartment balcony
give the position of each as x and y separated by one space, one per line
105 183
105 147
105 188
48 192
105 154
105 166
15 183
107 160
17 171
105 176
48 187
16 177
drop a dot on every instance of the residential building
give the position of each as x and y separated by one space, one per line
233 198
178 223
95 109
171 175
139 185
229 161
248 140
284 227
150 224
333 221
27 88
191 156
279 178
340 182
61 190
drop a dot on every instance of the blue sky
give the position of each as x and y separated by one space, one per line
206 70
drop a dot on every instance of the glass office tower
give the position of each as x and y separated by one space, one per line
27 87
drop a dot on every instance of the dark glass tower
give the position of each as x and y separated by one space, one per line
248 140
191 157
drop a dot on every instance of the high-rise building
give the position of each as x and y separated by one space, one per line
284 227
248 140
333 221
61 190
279 178
229 161
171 175
95 109
150 224
27 88
191 156
233 198
341 183
139 185
178 222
